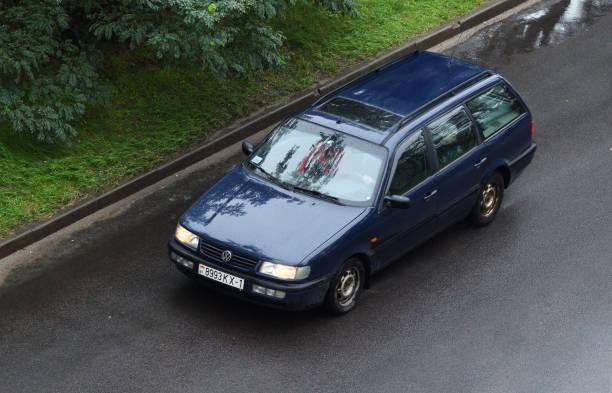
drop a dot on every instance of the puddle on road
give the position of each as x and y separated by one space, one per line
546 23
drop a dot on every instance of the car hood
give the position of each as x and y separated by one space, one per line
247 214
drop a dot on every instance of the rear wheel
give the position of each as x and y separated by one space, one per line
489 200
346 287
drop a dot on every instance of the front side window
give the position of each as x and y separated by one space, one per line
452 135
412 166
312 159
494 109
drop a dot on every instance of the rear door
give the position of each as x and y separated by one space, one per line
504 124
459 162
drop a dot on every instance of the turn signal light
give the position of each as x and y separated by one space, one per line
180 260
269 291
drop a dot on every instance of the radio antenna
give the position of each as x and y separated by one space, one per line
452 54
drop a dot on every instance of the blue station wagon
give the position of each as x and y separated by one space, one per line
353 182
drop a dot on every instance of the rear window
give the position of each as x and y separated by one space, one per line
361 113
494 109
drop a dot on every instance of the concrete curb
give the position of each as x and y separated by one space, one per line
251 127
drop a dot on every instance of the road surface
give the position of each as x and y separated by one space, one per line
523 305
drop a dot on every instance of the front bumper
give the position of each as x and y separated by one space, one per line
298 296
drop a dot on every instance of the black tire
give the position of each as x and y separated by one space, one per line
490 197
346 287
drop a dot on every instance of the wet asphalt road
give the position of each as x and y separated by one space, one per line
524 304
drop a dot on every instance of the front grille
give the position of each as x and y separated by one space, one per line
239 260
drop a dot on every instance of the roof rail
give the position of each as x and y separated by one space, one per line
449 93
361 78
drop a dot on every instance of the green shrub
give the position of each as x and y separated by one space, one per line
49 48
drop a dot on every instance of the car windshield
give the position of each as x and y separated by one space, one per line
315 160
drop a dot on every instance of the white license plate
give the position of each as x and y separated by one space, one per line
221 277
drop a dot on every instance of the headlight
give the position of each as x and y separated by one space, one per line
284 272
186 237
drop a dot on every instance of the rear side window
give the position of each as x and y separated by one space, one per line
452 135
494 109
412 166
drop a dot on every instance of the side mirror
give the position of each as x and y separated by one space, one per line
247 148
399 201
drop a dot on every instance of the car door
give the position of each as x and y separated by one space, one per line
398 229
459 162
504 124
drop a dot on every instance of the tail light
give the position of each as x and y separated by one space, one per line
532 129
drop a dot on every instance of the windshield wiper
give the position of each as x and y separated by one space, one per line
295 188
317 194
271 177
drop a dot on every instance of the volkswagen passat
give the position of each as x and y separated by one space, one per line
355 181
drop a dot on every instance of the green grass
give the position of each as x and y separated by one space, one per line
159 111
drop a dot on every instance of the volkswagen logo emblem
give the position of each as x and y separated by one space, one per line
226 256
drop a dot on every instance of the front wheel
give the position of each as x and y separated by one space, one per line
346 287
489 200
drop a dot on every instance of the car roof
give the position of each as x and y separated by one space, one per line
389 94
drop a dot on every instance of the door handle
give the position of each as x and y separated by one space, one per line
479 163
430 195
